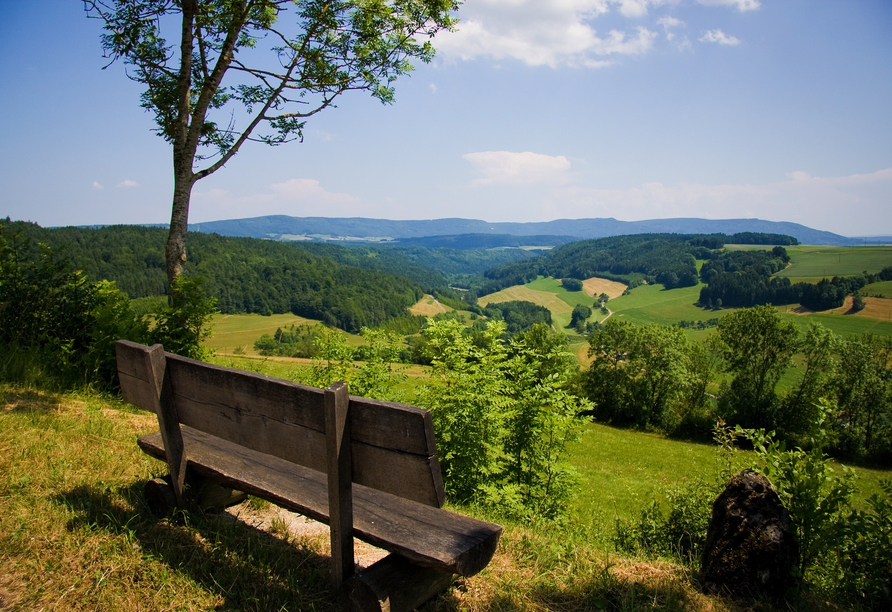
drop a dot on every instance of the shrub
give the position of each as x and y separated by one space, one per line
866 557
503 417
816 499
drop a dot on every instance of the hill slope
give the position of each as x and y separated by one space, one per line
281 227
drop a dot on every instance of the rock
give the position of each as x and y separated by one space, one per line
750 545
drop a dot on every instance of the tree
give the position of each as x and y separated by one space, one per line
857 302
757 349
194 87
571 284
581 312
799 410
863 386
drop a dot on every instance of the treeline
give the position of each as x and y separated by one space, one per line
717 241
662 258
653 377
518 315
667 259
245 275
741 279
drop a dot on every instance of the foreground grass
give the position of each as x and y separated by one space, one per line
621 470
76 535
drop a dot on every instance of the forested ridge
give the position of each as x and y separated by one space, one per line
431 267
245 275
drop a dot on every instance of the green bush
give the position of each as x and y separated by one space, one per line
503 416
865 560
59 329
675 528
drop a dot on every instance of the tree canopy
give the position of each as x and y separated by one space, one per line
213 87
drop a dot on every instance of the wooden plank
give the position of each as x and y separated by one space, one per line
137 383
392 584
148 366
386 424
427 536
393 444
340 481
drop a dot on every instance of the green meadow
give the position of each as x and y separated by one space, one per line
621 470
816 262
648 304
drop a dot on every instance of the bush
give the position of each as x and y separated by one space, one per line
183 327
571 284
55 327
503 417
676 528
58 328
866 557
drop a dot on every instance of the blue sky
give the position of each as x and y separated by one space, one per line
533 110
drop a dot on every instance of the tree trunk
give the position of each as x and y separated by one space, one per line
175 251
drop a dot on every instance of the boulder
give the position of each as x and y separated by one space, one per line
750 545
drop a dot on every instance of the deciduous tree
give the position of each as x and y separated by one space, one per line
757 350
212 88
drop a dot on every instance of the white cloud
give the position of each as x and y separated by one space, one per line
433 88
717 36
295 197
525 168
669 22
97 186
309 190
538 33
742 5
126 184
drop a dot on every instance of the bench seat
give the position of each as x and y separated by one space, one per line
426 535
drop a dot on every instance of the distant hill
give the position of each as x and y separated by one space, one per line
281 227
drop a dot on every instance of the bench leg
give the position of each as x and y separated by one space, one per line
204 494
393 584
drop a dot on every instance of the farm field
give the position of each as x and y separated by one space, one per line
241 331
816 262
880 288
841 324
530 293
654 304
428 307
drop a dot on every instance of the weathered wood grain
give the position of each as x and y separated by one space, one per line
427 536
393 445
340 488
393 584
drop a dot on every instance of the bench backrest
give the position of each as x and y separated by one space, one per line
393 447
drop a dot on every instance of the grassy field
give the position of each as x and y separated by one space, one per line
816 262
75 533
622 470
230 332
654 304
880 288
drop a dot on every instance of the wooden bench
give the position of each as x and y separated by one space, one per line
367 468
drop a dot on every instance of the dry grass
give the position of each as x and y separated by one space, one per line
878 309
596 286
428 307
75 534
520 293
